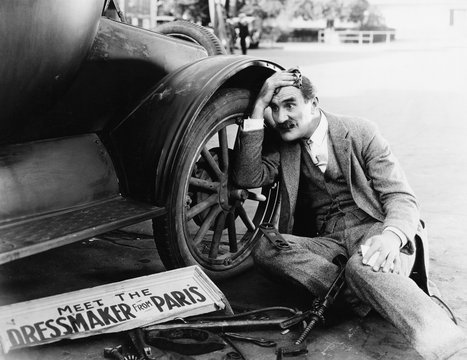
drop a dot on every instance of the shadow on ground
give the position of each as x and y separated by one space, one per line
96 262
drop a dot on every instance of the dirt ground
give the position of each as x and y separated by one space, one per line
416 92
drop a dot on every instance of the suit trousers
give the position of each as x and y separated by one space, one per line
308 263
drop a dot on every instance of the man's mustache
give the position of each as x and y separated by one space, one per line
288 124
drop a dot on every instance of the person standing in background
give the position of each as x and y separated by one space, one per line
243 32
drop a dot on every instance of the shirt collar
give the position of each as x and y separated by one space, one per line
319 134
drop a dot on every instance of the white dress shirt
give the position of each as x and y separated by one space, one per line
317 144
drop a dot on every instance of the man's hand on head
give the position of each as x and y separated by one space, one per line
278 80
388 246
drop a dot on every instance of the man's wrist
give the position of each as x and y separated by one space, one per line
258 110
398 233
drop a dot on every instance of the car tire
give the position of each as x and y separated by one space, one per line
188 31
210 222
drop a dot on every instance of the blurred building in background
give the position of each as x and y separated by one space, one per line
150 13
433 19
411 19
212 14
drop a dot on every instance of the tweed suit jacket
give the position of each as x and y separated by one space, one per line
376 181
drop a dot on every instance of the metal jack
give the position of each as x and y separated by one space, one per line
114 353
142 349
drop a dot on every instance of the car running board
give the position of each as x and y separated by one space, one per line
40 233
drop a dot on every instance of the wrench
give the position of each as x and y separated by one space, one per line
114 353
255 340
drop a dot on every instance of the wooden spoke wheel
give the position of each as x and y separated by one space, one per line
211 222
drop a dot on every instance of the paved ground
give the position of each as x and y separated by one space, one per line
417 94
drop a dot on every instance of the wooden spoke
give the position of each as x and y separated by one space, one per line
199 208
256 196
203 229
212 163
224 144
216 239
209 186
232 232
246 220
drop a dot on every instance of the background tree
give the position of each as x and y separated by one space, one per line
359 11
261 8
193 10
330 10
277 14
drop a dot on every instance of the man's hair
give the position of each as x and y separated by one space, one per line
308 89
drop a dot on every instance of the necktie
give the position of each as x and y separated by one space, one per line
311 148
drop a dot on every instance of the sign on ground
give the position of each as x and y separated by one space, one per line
109 308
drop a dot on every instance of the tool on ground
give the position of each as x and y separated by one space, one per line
187 341
222 325
193 335
232 355
255 340
316 314
236 353
293 350
142 349
229 322
114 353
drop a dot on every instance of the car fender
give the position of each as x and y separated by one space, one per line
151 137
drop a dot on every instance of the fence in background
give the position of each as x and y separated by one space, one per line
356 36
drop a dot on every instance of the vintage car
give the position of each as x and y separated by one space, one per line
104 125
